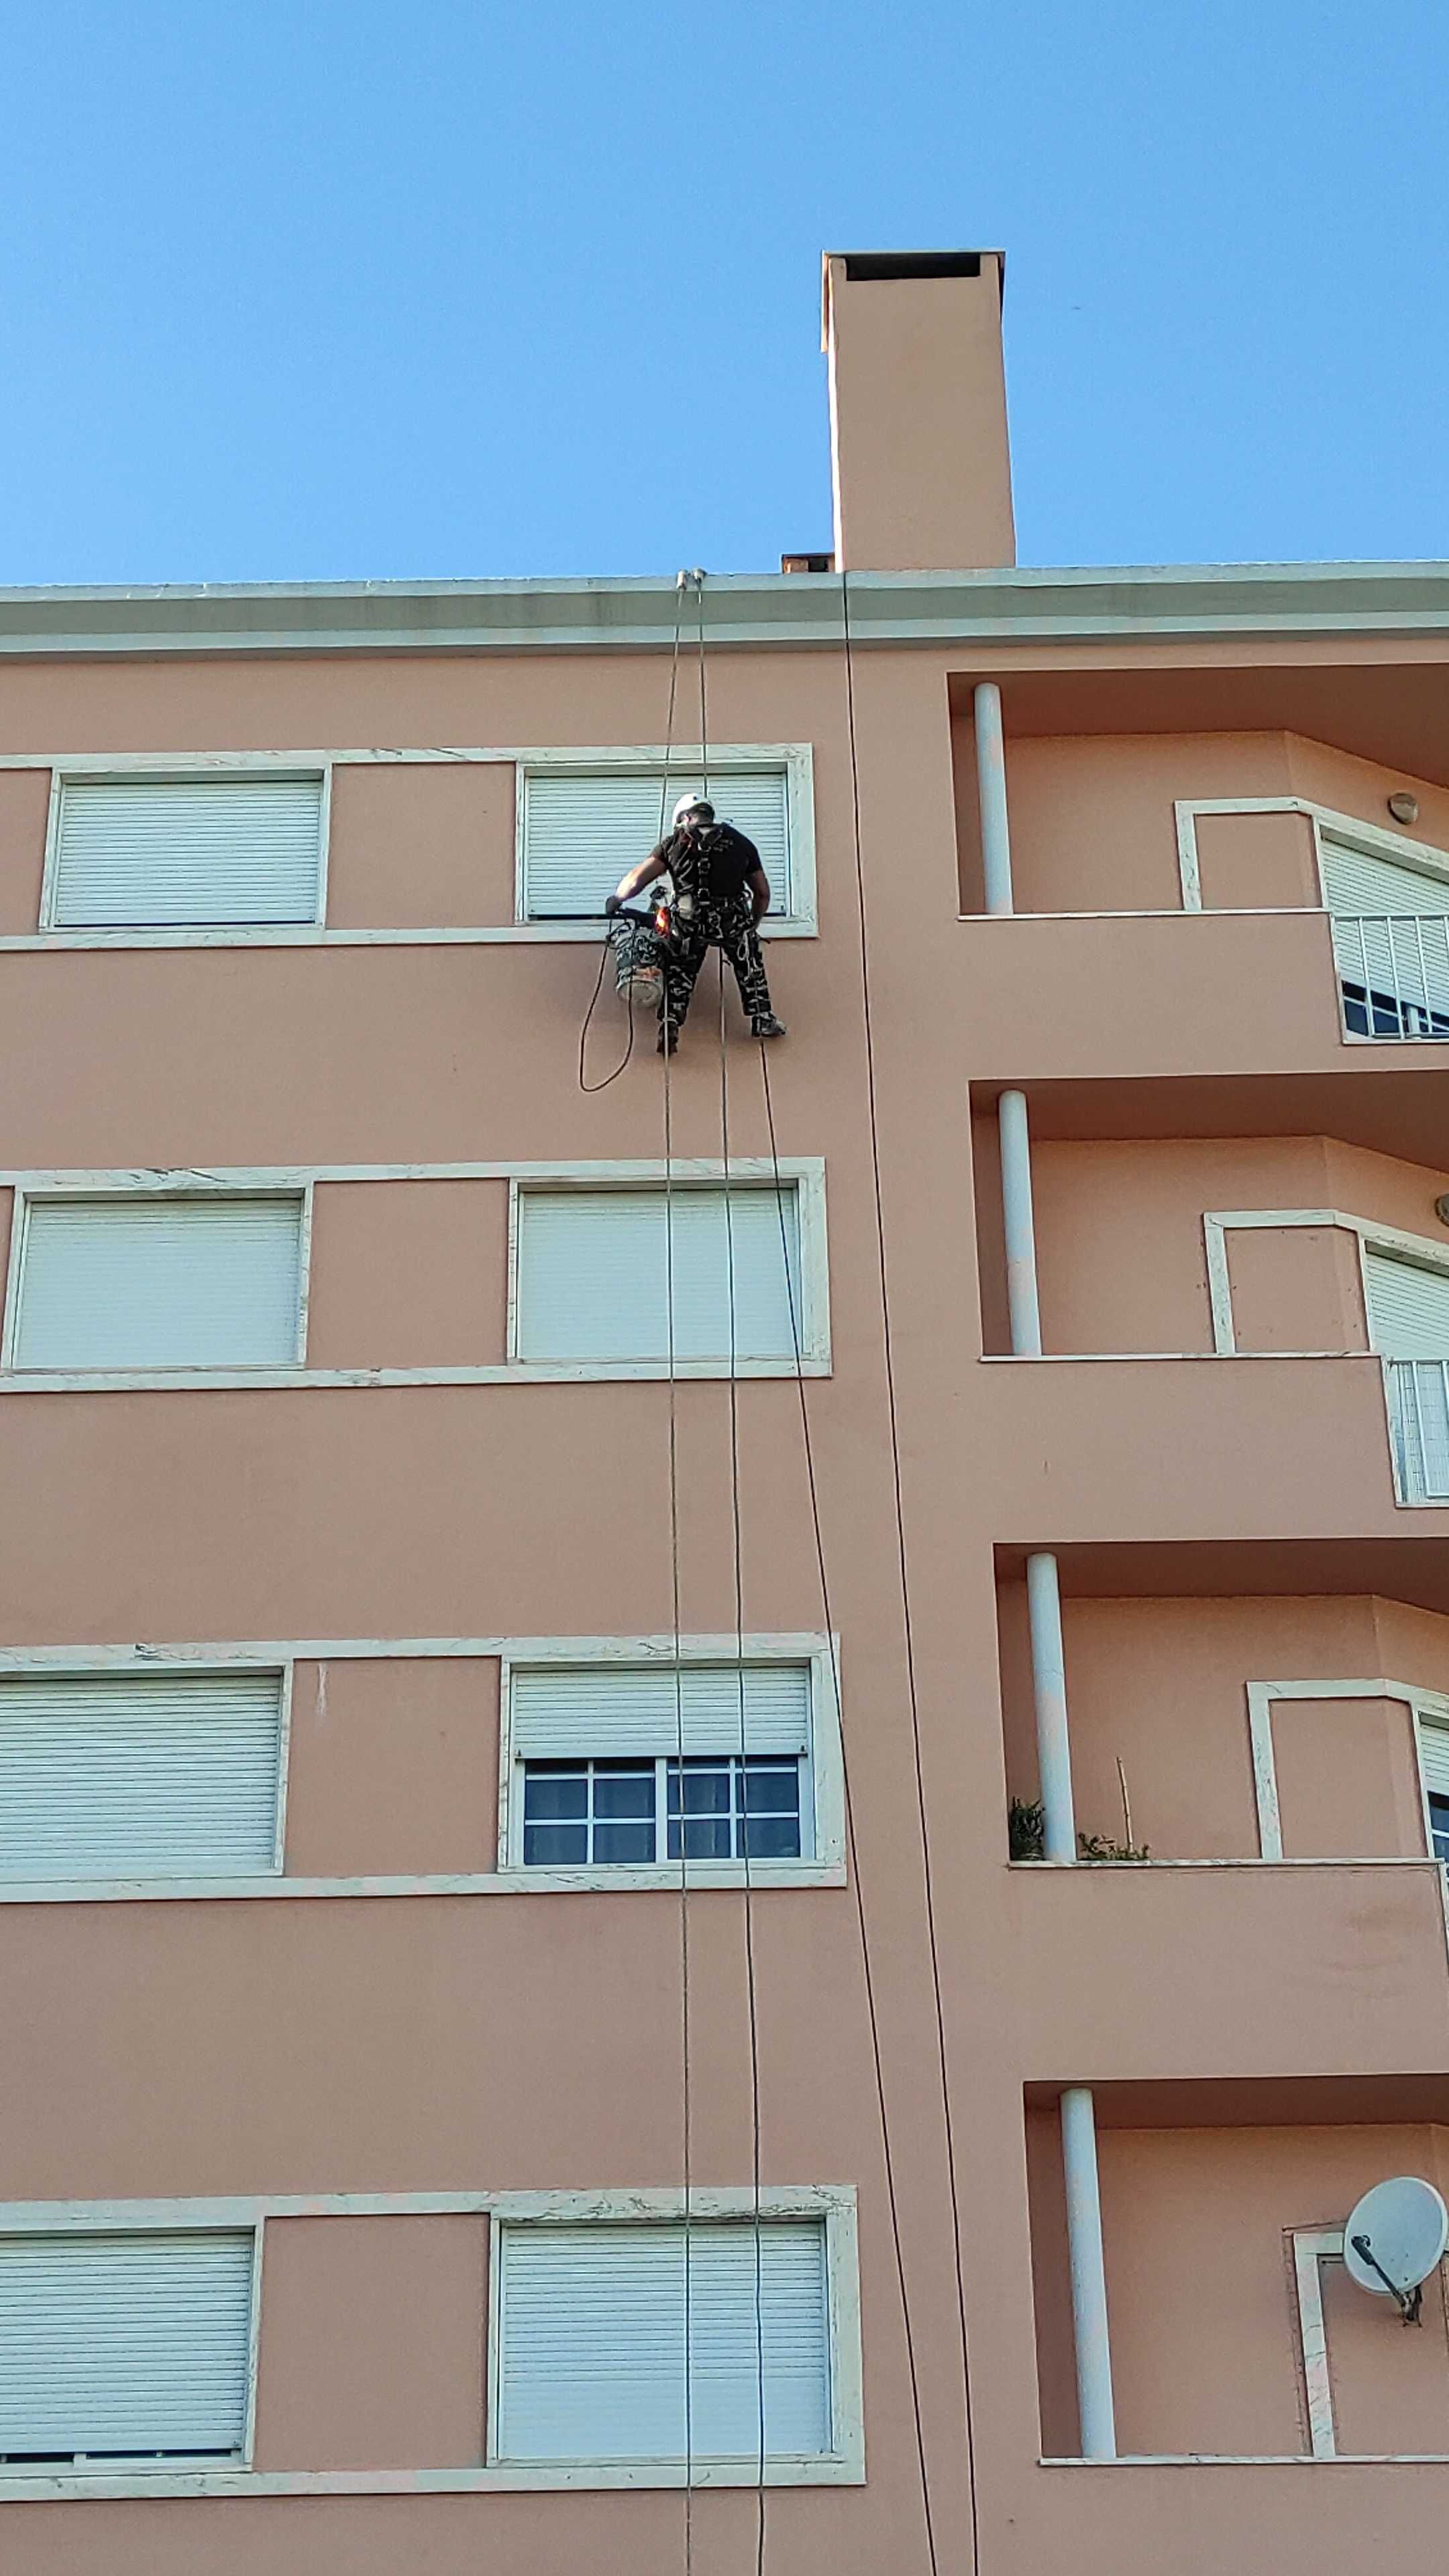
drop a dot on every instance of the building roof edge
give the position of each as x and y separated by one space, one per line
745 609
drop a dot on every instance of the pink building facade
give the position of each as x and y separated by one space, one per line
523 1967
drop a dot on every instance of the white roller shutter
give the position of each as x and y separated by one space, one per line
124 2347
181 851
145 1775
1408 1308
1434 1757
159 1283
1409 1321
1391 926
593 1274
603 1712
592 2342
581 830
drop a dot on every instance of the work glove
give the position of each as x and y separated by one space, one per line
612 904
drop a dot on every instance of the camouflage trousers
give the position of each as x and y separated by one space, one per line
729 925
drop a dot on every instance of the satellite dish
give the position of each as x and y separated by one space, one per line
1394 2238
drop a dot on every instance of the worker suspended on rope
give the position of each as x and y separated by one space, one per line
720 893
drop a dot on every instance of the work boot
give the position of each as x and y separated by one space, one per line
765 1025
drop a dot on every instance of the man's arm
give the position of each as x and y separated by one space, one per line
759 885
645 873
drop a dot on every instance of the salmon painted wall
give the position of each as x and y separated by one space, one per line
1161 1687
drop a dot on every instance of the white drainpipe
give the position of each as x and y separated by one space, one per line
991 795
1059 1831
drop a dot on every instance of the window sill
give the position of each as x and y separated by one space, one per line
316 934
300 1380
701 1876
500 2478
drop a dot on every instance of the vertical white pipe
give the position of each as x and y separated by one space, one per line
1021 1295
1049 1689
1098 2429
991 796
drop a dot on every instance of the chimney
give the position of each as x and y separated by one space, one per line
919 456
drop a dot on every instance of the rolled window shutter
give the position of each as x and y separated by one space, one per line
1391 926
592 2341
581 830
1434 1757
594 1274
124 2346
1408 1308
159 1283
603 1712
147 1775
188 851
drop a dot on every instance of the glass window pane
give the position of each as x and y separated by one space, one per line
625 1844
1439 1826
707 1788
773 1789
621 1792
773 1837
555 1846
707 1838
547 1792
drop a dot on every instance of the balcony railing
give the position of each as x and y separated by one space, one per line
1418 1393
1393 973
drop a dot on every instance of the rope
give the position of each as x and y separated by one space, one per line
904 1570
751 1992
623 1062
852 1851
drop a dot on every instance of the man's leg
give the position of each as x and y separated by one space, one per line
740 941
682 962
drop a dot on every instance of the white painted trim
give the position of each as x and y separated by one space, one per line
1372 1237
835 2203
824 1764
845 2460
804 1174
825 1869
1371 838
1261 1696
517 934
797 759
54 1187
254 2343
96 768
1313 2246
1254 2460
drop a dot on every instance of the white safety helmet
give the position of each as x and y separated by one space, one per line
694 804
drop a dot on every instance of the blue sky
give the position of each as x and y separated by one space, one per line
341 291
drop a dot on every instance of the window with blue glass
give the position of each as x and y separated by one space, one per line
634 1814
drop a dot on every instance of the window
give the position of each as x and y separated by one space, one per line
592 2340
600 1269
580 1815
145 1775
1408 1307
128 2348
601 1784
139 1283
157 852
582 828
1390 943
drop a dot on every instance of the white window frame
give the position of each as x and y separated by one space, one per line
1420 1703
124 1190
186 1663
1371 1237
1370 838
237 768
179 2471
842 2464
803 1173
822 1781
686 762
283 1655
834 2203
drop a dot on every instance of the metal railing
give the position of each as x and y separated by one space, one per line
1418 1399
1393 973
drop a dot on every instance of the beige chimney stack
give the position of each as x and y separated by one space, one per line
919 456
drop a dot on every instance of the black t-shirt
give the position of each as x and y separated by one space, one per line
716 864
